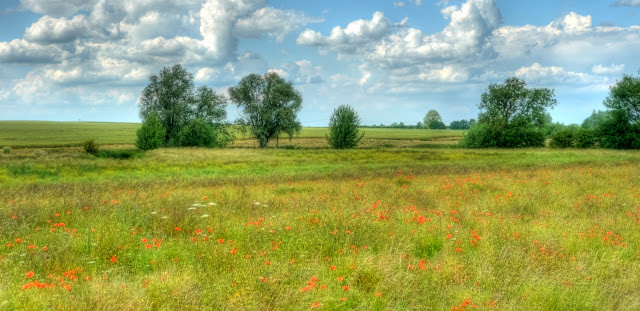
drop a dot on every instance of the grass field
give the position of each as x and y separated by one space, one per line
317 229
63 134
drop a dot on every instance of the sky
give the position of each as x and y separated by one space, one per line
392 61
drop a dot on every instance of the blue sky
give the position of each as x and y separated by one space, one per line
69 60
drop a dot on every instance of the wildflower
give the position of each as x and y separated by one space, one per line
114 259
30 274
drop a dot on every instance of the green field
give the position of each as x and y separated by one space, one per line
61 134
404 227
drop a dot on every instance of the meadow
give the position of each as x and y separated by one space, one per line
404 226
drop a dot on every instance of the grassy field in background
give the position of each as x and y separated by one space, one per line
409 228
60 134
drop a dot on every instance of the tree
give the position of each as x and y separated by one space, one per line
460 125
173 96
511 116
625 96
152 134
269 106
432 120
343 128
595 119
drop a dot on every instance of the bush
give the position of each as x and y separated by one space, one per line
152 134
484 136
6 150
343 128
197 133
564 138
585 138
617 132
90 146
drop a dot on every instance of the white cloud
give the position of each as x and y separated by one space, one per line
301 72
22 51
632 3
273 22
356 37
57 7
398 4
554 75
607 70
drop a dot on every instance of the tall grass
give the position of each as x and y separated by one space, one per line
320 229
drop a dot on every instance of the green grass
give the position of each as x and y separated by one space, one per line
55 134
248 229
60 134
404 223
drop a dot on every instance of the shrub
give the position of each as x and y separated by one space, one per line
6 150
197 133
483 136
617 132
152 134
585 138
90 146
564 138
343 128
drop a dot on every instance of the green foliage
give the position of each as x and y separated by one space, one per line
90 146
462 124
512 116
343 128
485 136
6 150
433 121
595 119
172 95
152 134
564 138
585 138
270 106
617 132
625 96
197 133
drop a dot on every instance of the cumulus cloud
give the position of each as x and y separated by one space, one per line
398 4
356 37
24 52
554 75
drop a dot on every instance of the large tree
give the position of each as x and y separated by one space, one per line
512 115
270 106
433 120
625 96
173 96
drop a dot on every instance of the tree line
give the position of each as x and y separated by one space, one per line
176 113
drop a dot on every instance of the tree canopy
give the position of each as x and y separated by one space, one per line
270 106
173 96
503 105
625 96
512 115
433 120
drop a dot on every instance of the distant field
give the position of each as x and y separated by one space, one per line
60 134
46 133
